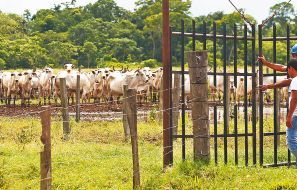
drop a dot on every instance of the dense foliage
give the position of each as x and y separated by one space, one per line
102 33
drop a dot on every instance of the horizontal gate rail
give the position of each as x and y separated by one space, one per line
238 74
210 36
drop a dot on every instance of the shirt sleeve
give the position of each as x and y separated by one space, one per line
293 85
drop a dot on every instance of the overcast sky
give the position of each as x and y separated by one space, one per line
257 8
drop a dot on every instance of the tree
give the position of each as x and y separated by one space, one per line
284 14
121 48
61 53
90 54
107 10
150 12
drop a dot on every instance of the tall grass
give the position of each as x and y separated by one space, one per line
98 157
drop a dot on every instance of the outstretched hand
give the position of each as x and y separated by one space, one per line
262 59
263 87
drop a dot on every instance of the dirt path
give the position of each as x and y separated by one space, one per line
34 110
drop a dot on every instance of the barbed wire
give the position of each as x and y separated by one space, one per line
273 15
242 14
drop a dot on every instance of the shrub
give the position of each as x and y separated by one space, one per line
150 63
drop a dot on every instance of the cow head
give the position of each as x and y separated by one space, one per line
68 67
141 77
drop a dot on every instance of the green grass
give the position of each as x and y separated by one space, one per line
97 157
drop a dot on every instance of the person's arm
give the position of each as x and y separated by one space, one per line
281 84
274 66
293 104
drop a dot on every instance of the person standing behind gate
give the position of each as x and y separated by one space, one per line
291 121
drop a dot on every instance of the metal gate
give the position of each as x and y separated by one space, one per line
252 139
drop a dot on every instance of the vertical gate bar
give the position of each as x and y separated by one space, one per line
235 84
288 59
225 97
261 135
274 101
215 84
193 37
171 105
246 142
204 35
254 95
183 90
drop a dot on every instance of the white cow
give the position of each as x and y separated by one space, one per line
68 74
143 90
44 87
25 87
101 85
10 86
116 80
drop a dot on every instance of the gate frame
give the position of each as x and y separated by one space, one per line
203 37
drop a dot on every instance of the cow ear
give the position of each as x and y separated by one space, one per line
93 72
20 74
25 73
12 74
34 74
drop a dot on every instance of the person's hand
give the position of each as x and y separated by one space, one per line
263 87
289 121
262 59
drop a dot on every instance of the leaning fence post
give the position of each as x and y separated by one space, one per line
45 155
77 102
65 112
175 99
200 109
132 121
125 119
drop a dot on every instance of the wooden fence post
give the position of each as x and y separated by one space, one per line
132 121
125 118
199 89
77 102
45 155
175 99
65 111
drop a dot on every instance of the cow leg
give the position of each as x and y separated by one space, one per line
14 99
71 97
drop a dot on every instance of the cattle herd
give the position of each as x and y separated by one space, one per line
100 84
104 85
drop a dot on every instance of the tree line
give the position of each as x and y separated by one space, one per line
104 34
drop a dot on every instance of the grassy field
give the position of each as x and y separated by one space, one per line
97 157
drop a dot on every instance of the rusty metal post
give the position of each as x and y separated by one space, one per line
167 148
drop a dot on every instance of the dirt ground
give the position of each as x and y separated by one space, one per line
34 110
